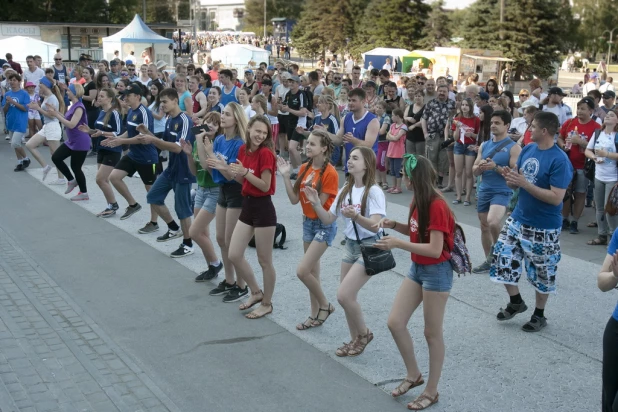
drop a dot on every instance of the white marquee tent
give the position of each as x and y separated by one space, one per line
235 55
138 37
20 47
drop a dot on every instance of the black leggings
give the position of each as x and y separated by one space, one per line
77 160
610 367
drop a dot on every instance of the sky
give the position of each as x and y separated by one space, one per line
457 4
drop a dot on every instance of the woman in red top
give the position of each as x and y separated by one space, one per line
321 175
255 169
466 128
431 229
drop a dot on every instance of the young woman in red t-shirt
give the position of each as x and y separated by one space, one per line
321 175
255 170
431 228
466 128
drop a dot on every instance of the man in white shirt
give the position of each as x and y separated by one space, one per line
388 66
555 106
33 73
608 85
591 85
349 64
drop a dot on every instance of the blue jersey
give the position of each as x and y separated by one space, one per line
141 153
493 182
176 129
228 150
114 124
330 123
17 120
358 128
228 97
542 168
217 108
611 250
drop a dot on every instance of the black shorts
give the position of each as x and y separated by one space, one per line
147 172
283 123
108 158
258 212
229 196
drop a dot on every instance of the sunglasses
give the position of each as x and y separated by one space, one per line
131 70
524 95
58 59
124 74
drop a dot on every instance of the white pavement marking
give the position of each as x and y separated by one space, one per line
489 366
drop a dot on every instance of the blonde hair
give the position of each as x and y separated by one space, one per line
332 105
261 100
241 120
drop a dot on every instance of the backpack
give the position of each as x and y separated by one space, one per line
460 257
279 230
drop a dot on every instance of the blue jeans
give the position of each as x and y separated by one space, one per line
315 230
182 195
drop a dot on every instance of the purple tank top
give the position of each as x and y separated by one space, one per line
76 139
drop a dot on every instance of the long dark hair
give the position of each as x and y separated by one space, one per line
369 179
484 132
325 141
156 99
496 91
509 94
111 93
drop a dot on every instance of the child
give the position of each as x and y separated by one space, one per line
381 163
34 118
396 149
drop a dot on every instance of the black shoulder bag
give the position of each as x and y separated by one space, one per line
376 260
590 165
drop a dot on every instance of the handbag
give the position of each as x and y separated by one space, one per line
590 165
376 260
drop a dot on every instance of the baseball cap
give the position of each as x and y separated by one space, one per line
270 68
82 58
295 79
556 90
133 89
524 105
6 65
484 96
587 100
29 84
248 71
111 63
286 76
608 94
267 82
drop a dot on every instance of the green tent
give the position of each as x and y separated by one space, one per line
425 56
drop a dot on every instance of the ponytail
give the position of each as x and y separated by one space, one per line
56 92
115 105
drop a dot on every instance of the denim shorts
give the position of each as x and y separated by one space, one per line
352 253
315 230
462 149
486 199
182 195
206 198
433 278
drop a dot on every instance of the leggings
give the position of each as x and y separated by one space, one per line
77 160
610 367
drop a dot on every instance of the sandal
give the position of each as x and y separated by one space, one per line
343 350
420 403
535 324
600 241
511 310
305 325
396 191
254 315
593 224
406 385
360 344
383 185
319 322
248 305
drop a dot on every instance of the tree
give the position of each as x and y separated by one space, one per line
254 13
392 23
159 11
437 31
123 11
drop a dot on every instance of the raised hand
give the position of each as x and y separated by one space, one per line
284 167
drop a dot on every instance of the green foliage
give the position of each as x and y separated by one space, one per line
595 19
123 11
438 27
254 13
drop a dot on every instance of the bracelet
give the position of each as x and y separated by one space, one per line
394 225
246 173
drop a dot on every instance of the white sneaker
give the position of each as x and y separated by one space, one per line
70 186
80 196
46 171
58 182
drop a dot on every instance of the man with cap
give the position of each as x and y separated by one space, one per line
251 83
574 137
480 100
114 73
609 101
296 105
142 158
555 106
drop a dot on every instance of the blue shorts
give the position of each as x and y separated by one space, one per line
487 199
396 167
433 278
182 195
462 149
206 198
315 230
521 245
352 253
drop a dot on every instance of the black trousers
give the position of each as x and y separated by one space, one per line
610 367
77 161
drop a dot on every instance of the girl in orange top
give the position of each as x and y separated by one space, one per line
319 174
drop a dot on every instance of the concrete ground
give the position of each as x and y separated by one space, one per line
95 317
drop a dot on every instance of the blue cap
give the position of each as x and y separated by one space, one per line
270 68
484 96
249 71
46 82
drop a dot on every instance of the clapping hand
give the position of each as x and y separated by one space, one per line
284 167
143 138
33 105
218 163
142 128
311 194
349 211
111 141
238 169
514 177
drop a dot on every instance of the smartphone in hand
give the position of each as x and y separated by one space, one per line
199 129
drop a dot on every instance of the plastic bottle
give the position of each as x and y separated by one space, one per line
568 143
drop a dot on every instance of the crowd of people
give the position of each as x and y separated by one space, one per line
229 137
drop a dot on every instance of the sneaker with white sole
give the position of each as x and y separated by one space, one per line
70 186
182 251
109 211
130 211
169 235
59 182
148 228
46 171
236 294
80 196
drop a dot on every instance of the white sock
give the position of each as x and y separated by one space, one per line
215 263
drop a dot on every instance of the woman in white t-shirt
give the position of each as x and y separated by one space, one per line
602 149
359 201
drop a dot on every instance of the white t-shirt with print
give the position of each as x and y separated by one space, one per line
606 171
376 205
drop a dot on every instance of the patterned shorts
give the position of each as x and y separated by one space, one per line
521 245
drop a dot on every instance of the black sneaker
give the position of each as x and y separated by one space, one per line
26 163
588 203
169 235
209 274
565 224
182 251
236 294
130 211
223 288
19 168
573 229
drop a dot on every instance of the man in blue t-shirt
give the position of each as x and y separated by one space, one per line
178 140
141 159
15 108
530 237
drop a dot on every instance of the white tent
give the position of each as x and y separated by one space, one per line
379 55
20 47
235 55
138 37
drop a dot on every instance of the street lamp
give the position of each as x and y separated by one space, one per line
264 18
609 45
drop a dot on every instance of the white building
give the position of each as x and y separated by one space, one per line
220 14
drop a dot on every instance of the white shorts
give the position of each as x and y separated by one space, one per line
33 115
51 131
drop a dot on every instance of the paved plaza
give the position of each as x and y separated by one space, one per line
95 317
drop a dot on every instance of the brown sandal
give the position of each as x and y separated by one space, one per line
253 315
308 324
419 403
319 322
343 350
360 344
246 305
406 385
599 241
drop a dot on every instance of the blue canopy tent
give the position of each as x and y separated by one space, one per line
378 57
